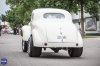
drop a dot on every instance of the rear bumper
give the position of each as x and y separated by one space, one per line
55 45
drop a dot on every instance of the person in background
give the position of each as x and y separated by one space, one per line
17 30
14 29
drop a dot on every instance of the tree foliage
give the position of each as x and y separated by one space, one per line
20 12
3 18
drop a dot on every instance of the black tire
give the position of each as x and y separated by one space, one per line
75 52
24 46
32 50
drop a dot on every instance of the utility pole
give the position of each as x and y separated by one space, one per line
82 17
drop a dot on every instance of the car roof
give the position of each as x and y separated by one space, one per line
46 10
38 13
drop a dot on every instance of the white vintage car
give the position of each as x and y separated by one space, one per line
53 28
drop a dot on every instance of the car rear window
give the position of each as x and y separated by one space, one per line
54 16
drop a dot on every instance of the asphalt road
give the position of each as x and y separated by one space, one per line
10 48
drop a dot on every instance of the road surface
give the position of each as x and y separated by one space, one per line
10 48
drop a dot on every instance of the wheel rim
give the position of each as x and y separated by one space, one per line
29 47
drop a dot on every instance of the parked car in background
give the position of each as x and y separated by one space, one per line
52 28
10 30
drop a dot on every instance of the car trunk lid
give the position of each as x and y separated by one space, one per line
60 32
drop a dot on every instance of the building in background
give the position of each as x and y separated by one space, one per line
6 27
5 24
91 25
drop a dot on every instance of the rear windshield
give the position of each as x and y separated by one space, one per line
54 16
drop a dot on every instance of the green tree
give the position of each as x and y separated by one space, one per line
20 12
3 18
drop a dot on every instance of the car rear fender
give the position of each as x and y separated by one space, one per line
26 31
80 41
38 37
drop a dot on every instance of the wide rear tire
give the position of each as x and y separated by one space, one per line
32 50
75 52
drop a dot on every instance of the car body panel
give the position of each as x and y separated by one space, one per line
54 32
26 30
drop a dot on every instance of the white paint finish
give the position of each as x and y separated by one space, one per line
26 32
60 31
